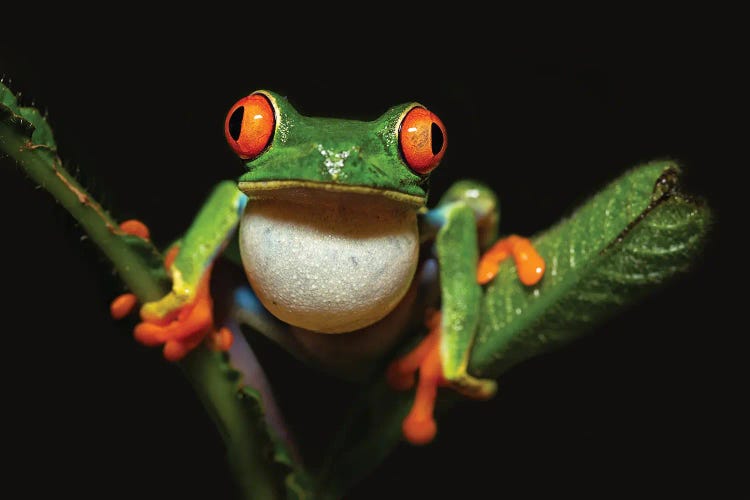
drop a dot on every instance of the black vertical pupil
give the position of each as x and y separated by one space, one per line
235 122
437 138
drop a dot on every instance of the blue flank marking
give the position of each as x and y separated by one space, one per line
429 275
247 301
437 216
241 203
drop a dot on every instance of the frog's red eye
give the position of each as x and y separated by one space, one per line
422 139
249 126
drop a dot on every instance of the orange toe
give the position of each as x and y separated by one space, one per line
175 350
222 339
149 334
136 228
487 270
489 263
419 426
123 305
529 264
419 432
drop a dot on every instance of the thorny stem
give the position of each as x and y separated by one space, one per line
206 370
45 168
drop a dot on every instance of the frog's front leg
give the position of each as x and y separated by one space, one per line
442 357
466 218
183 318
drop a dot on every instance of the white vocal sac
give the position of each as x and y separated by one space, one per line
329 262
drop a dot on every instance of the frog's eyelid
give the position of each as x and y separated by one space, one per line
274 104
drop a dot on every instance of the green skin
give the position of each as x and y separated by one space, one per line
324 154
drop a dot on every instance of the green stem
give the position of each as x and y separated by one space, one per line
46 169
245 442
139 265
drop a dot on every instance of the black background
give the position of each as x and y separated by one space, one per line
638 405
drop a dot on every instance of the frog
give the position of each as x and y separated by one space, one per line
343 260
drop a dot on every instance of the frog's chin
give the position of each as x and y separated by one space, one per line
329 261
299 189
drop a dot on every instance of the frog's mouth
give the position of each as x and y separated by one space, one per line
301 190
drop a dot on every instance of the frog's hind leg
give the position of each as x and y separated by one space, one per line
443 357
419 425
464 223
483 202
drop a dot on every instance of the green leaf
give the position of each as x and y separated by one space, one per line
624 243
27 120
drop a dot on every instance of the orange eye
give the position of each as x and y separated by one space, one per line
249 126
422 139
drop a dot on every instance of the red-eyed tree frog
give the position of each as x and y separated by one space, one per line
343 258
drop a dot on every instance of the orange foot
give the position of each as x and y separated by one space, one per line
183 329
529 264
419 426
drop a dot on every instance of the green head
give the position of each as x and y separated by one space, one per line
391 156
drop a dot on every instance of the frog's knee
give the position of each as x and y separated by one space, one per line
483 201
475 194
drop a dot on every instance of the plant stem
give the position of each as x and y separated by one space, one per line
139 265
245 442
46 169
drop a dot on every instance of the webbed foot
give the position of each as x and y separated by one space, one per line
419 426
183 326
